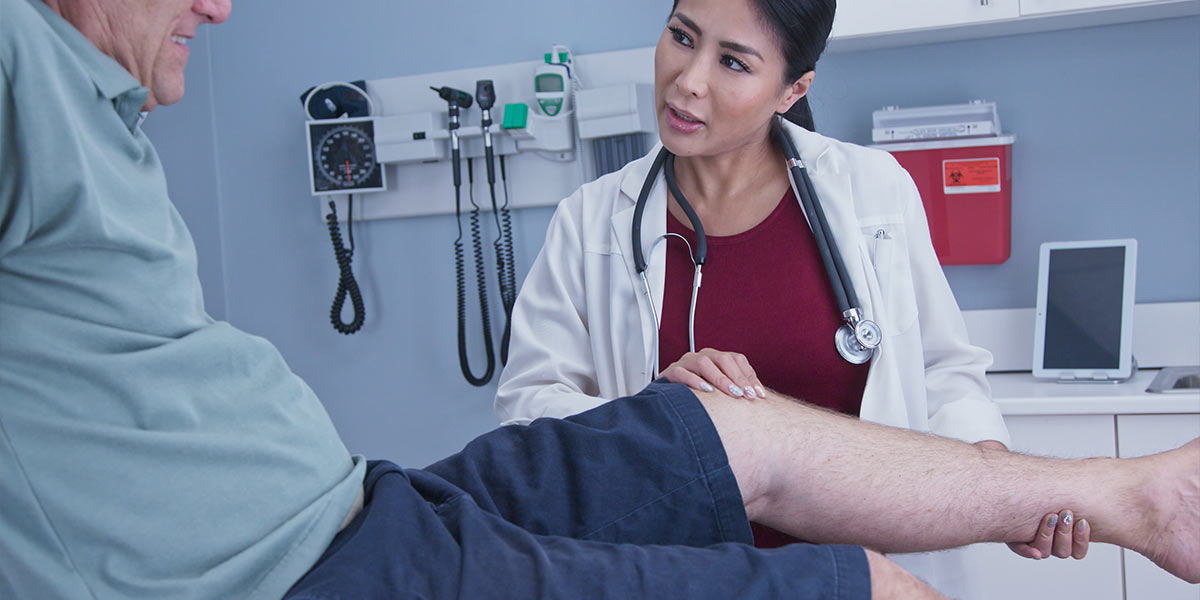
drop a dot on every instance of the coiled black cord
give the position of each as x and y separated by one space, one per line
347 285
506 265
481 282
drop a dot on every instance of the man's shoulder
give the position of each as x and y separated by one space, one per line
19 23
27 43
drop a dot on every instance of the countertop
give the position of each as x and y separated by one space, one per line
1023 394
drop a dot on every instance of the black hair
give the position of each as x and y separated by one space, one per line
801 28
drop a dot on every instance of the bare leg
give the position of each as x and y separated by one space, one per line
833 479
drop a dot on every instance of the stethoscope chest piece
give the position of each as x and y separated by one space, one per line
868 333
854 343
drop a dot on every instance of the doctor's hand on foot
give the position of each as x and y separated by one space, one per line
1059 534
709 370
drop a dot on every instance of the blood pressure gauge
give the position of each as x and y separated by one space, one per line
342 157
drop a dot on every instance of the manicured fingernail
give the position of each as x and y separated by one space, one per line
761 392
1068 519
1053 521
704 386
736 391
1082 525
750 392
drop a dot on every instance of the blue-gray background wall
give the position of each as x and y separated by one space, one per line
1108 146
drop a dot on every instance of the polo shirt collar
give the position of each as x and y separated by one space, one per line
112 81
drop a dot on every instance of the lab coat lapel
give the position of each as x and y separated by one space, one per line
654 224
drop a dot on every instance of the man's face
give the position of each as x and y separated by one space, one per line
150 37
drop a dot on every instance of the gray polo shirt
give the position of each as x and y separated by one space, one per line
146 451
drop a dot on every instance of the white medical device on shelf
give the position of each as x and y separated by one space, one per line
616 110
1084 315
554 83
619 120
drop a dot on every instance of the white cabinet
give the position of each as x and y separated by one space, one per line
993 572
1139 435
867 17
1041 7
873 24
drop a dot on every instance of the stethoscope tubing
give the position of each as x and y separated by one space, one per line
697 225
843 289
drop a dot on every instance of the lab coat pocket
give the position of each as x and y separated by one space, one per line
888 250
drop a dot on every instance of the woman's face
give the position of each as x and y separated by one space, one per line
719 78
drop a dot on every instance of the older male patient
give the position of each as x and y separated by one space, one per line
147 451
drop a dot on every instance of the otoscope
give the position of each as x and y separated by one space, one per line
485 94
456 99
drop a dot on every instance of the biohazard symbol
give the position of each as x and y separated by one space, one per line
974 172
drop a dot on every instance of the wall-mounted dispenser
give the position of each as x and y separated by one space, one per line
617 119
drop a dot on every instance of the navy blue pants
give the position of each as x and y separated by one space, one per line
634 499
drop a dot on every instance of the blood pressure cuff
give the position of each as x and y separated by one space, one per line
633 499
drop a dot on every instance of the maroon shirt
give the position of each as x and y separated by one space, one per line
766 295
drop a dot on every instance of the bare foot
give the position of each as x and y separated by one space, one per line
1172 505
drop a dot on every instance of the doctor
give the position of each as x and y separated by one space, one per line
586 329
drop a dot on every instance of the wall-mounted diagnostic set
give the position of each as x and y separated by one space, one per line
354 140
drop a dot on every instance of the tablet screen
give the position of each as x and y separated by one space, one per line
1083 308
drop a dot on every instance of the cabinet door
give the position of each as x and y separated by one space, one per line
993 572
867 17
1139 435
1040 7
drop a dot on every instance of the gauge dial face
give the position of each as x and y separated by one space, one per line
346 156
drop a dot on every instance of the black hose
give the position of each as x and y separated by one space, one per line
481 283
506 263
347 285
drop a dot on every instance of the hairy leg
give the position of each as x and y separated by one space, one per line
833 479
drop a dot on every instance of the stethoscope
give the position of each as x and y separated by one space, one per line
856 339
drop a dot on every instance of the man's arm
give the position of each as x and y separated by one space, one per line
828 478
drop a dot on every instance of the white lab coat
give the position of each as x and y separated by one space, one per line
582 332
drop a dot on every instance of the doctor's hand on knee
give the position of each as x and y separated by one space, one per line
1059 534
709 370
